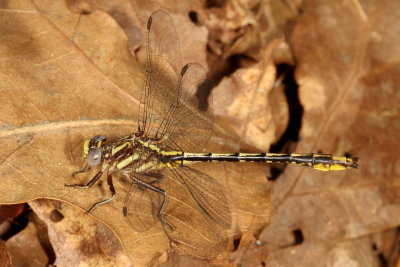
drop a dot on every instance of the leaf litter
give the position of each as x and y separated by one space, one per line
68 85
67 76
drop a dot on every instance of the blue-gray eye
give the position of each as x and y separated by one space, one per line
99 138
94 157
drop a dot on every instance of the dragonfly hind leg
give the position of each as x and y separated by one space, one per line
158 177
112 190
160 191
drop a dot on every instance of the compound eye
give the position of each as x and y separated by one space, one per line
94 157
101 138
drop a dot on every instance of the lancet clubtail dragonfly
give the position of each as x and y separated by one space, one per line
172 131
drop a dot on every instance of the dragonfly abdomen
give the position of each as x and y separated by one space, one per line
322 162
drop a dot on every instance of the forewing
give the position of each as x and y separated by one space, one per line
169 109
163 69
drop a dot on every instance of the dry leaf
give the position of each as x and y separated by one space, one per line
25 248
66 77
66 74
250 104
347 73
5 258
78 239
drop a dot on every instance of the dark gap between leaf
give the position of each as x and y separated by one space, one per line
42 234
215 3
202 94
298 239
18 224
214 77
295 109
382 260
274 172
292 131
236 243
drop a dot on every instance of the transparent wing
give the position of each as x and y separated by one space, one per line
169 110
163 67
141 204
138 208
190 127
207 192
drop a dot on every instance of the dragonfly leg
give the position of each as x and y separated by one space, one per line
89 184
158 177
84 169
164 201
112 190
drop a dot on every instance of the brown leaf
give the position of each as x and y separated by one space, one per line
78 239
66 77
251 105
347 73
4 255
234 29
25 248
385 244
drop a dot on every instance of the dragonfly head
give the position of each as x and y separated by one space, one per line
92 151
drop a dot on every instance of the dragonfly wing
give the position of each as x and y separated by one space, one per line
191 125
169 110
163 68
207 193
141 204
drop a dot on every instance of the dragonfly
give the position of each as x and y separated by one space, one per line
172 131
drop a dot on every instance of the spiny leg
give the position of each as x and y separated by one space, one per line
112 190
163 203
89 184
84 169
158 177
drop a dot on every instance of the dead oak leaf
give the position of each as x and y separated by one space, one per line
66 77
347 72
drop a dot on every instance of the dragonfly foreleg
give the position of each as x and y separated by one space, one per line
84 169
89 184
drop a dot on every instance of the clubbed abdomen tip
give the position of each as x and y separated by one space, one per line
354 162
